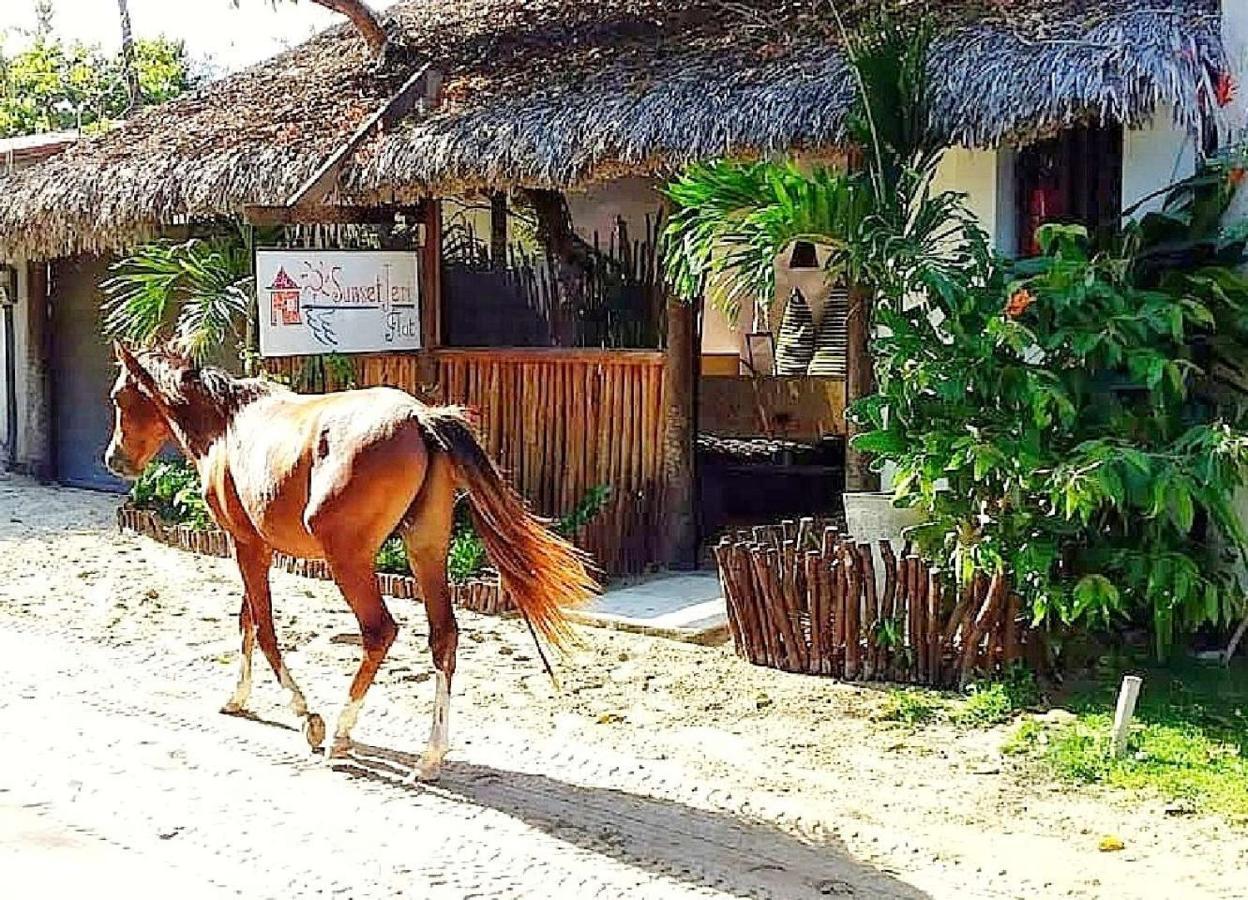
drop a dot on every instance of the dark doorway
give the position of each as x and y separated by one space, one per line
82 375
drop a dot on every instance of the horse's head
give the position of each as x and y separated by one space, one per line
140 424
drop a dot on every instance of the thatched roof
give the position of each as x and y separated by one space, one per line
561 92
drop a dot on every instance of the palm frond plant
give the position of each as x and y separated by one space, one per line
892 240
196 292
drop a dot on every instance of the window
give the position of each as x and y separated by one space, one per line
1075 177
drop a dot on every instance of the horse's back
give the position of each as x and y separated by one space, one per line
294 459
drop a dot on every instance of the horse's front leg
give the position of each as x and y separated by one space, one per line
242 691
254 560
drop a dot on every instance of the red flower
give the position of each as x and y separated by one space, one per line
1224 89
1018 303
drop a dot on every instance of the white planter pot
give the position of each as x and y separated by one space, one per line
871 517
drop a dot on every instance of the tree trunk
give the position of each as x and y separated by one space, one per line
364 20
680 379
859 383
130 70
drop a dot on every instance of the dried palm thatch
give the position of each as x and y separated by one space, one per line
555 93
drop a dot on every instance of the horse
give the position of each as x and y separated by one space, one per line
331 477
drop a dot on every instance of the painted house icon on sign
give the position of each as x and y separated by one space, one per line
284 300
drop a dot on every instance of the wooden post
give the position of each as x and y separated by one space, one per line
40 459
1127 696
680 531
498 230
859 383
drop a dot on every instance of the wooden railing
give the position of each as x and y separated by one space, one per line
559 422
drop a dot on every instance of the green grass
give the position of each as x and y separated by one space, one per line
993 702
984 704
910 706
1190 743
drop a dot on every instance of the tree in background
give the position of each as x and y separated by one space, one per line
130 69
56 85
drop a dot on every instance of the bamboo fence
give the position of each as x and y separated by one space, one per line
481 595
559 422
802 597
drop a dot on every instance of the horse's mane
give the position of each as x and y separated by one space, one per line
182 381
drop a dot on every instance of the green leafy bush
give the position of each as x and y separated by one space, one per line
171 488
1058 418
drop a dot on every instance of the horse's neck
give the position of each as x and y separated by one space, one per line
198 424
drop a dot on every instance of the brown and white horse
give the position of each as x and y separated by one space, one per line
331 477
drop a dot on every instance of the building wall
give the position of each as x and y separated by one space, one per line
1154 156
977 174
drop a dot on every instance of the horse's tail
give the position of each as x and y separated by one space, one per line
543 572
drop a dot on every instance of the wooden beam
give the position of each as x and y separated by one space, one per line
268 216
423 84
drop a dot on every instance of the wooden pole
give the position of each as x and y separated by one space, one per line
680 530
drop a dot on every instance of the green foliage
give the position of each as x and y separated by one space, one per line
198 292
730 220
171 488
1190 744
996 701
392 557
53 85
910 706
1056 418
467 557
585 511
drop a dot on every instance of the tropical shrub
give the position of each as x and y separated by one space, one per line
1066 420
171 489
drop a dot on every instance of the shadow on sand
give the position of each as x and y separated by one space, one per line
701 847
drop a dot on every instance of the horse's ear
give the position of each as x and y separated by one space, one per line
131 364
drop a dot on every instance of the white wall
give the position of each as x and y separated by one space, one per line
1235 40
20 316
1154 156
977 174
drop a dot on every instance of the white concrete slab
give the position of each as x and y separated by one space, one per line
683 606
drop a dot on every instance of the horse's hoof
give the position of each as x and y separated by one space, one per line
428 768
427 773
232 709
314 730
341 748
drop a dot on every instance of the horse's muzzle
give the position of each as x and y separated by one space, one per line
119 464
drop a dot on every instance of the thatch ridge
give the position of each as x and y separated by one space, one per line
559 93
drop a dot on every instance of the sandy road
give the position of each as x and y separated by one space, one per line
660 770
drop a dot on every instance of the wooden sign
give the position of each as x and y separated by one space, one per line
337 301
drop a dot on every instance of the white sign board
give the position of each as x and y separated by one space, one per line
337 301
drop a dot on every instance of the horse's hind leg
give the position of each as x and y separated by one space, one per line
253 562
427 539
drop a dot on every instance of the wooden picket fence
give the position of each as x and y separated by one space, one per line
483 595
803 597
560 422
